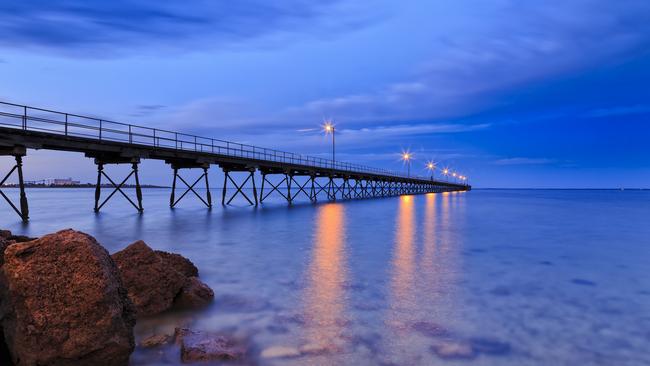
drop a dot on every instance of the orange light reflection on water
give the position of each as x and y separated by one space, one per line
325 310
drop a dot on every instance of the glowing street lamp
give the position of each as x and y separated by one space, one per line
445 172
329 128
432 167
407 156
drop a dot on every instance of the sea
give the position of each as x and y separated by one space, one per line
486 277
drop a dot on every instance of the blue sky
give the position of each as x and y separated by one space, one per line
510 93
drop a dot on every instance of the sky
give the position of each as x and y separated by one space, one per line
541 94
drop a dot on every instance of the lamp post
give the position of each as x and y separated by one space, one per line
432 167
446 174
329 128
407 158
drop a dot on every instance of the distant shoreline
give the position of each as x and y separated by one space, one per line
88 185
561 189
473 188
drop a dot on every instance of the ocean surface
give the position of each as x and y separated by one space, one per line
488 277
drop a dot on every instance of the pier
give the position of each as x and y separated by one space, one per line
109 142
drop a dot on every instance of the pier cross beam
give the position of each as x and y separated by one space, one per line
317 187
274 187
291 179
100 161
239 187
17 152
178 165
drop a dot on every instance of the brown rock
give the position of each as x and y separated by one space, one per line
67 303
194 294
202 346
21 238
5 234
155 340
179 263
5 357
151 285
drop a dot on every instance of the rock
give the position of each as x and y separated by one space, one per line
280 352
155 340
5 234
429 329
194 294
67 303
490 346
151 284
179 263
453 350
4 243
316 349
5 356
201 346
21 238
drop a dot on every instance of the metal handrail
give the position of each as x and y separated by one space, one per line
71 124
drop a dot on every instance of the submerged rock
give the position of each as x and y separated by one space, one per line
155 340
429 329
179 263
67 303
280 352
490 346
194 294
151 284
202 346
453 350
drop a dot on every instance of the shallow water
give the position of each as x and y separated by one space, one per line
520 277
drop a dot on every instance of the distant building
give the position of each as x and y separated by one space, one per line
64 182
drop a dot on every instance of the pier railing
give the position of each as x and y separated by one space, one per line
99 129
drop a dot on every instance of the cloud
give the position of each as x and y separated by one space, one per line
146 110
94 28
482 51
618 111
524 161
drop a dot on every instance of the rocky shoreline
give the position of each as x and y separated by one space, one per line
64 300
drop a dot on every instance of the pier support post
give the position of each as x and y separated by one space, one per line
316 191
100 161
301 188
239 188
274 187
289 180
176 166
17 152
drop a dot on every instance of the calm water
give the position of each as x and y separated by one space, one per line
531 277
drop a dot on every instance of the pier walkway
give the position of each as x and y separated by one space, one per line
108 142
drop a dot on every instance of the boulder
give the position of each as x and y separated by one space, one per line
67 303
5 357
202 346
179 263
155 340
194 294
151 284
